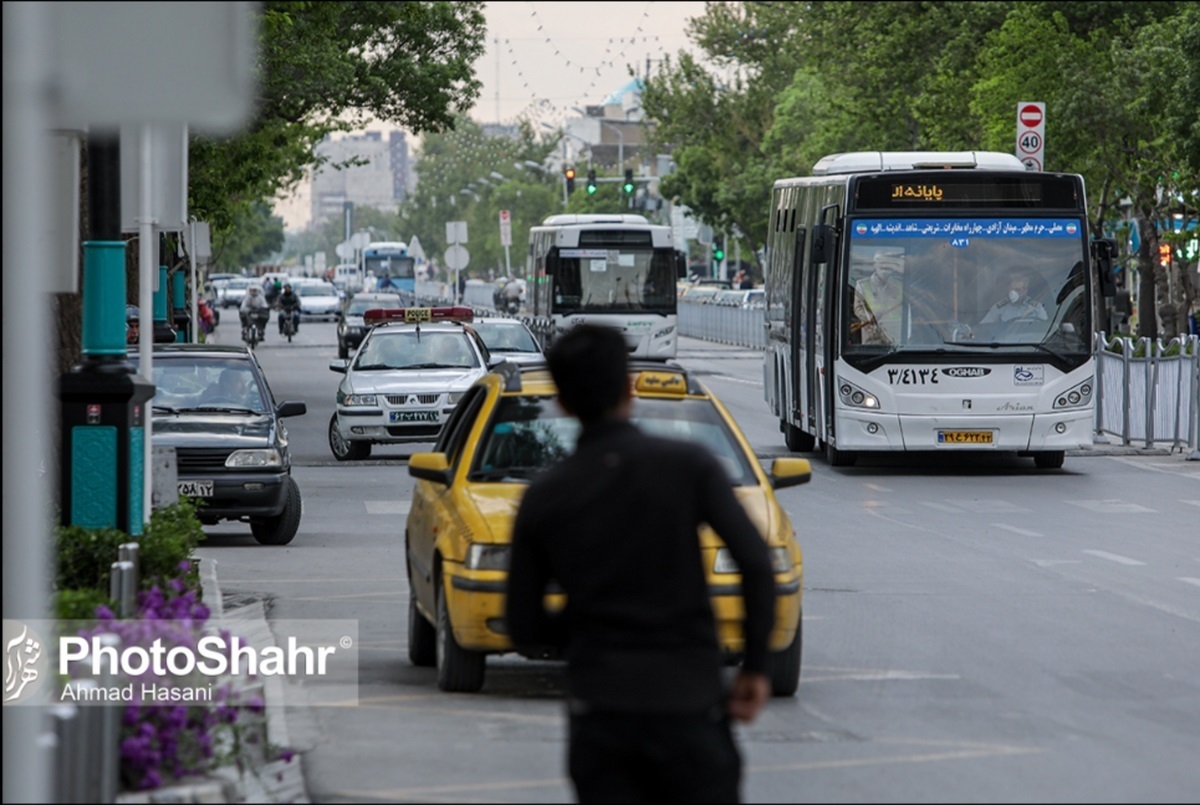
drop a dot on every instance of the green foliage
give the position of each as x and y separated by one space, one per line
326 67
256 235
80 605
449 188
84 557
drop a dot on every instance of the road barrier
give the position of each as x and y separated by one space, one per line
1149 391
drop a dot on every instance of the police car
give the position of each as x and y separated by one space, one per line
404 381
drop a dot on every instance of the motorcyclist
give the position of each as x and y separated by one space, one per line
512 296
253 304
288 303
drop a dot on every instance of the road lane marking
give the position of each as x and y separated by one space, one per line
941 507
992 506
878 488
387 506
1189 580
1191 502
1015 530
1052 562
1112 506
1115 557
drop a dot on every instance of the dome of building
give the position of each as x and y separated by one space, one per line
618 96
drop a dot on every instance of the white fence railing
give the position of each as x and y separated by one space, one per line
1148 391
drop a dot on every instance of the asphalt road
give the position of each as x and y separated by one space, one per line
975 630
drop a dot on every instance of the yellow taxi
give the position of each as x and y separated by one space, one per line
506 428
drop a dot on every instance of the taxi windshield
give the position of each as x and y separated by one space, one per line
529 433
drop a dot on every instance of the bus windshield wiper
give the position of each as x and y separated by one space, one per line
167 409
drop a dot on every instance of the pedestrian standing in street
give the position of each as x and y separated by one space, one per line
615 525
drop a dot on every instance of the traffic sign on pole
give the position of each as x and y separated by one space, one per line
505 228
1031 134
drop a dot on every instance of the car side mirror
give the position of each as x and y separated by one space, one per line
339 365
430 467
787 471
291 408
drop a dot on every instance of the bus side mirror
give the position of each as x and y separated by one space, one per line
822 240
1103 251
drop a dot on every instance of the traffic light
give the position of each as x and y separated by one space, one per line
569 173
591 185
628 186
719 248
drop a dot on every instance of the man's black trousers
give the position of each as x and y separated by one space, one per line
634 757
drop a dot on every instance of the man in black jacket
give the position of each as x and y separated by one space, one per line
615 524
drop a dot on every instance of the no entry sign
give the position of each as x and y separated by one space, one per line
1031 133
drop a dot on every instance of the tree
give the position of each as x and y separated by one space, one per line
466 175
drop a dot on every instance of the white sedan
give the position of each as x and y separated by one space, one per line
319 301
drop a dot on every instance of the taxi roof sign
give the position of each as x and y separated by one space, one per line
417 315
661 382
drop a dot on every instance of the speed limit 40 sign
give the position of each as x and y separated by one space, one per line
1031 134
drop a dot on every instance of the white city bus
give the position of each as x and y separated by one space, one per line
618 270
940 360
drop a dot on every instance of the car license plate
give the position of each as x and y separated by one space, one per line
196 489
964 437
414 416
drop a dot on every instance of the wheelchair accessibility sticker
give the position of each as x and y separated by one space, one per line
1028 375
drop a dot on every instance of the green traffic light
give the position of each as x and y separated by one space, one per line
591 189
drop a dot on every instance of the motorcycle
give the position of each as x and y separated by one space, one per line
288 322
254 326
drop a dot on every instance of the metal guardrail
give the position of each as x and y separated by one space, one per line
1149 391
724 324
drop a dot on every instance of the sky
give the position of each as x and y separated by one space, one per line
542 59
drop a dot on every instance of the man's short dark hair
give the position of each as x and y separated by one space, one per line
590 366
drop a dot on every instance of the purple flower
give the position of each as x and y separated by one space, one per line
286 755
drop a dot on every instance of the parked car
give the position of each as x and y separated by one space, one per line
506 428
234 290
213 404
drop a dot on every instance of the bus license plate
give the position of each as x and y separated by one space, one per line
964 437
414 416
196 489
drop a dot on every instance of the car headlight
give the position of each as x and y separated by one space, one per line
356 399
454 396
488 557
255 458
781 561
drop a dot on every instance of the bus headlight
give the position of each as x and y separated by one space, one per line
855 397
1078 396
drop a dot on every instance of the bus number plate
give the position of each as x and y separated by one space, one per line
964 437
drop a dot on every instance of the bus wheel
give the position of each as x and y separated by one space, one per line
797 440
839 458
1049 459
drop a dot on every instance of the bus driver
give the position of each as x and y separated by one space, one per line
877 299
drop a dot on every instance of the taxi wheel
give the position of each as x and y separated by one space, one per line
785 666
458 670
422 637
343 449
1049 459
281 529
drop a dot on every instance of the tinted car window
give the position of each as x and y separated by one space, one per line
205 382
412 350
505 337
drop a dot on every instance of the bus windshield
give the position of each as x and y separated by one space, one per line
389 265
965 283
624 279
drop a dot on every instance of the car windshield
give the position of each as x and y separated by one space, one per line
416 350
361 306
499 337
529 433
207 384
316 290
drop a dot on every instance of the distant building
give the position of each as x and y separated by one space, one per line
381 183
